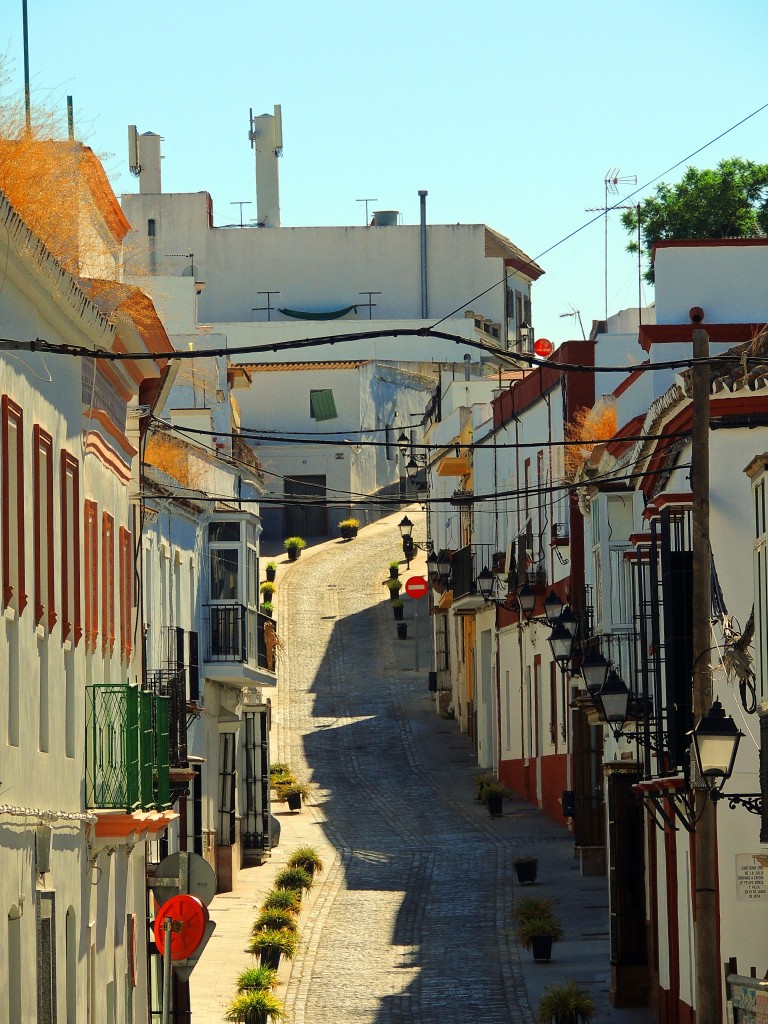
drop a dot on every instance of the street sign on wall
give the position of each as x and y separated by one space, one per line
416 586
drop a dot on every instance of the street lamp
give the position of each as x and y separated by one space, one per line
715 742
406 527
614 698
526 598
561 642
569 620
594 669
485 584
553 607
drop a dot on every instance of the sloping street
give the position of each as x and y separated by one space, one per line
411 919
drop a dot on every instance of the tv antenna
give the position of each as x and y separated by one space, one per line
366 201
612 181
576 314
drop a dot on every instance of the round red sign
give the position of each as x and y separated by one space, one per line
416 586
543 348
189 916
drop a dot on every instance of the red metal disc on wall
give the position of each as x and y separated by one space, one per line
543 348
416 586
189 916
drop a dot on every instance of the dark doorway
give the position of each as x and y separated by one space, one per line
308 516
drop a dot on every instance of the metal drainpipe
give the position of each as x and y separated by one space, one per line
423 251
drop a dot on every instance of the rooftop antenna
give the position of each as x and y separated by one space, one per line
576 313
612 181
366 201
241 203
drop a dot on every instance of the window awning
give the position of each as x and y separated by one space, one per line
334 314
453 465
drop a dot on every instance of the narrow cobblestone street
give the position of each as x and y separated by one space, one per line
411 920
413 923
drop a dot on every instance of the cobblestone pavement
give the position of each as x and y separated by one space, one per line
412 923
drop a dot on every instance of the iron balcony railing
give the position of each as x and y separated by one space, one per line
126 756
466 565
239 634
172 683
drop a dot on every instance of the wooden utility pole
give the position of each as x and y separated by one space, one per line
706 952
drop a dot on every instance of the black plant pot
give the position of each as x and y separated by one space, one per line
397 611
270 958
271 573
394 572
294 801
527 871
495 806
541 947
402 631
348 532
293 554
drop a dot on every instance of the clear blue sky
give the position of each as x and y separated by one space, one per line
507 113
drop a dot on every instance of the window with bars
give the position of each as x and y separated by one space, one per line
227 778
14 595
45 591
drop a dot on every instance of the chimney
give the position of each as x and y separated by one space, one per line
266 137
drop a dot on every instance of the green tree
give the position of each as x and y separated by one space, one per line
730 201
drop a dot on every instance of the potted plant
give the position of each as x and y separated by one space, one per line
273 920
271 571
493 794
255 1006
482 781
398 609
395 587
266 608
402 631
308 858
538 933
267 589
293 792
531 906
282 899
394 570
294 547
297 879
271 945
526 868
257 979
349 528
568 1003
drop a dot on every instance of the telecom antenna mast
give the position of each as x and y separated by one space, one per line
612 182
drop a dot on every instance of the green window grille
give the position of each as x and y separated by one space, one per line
127 748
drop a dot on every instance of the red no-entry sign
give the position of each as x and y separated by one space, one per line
416 586
190 916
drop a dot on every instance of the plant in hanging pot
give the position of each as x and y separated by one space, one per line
255 1006
266 608
402 630
349 528
394 570
267 589
308 858
568 1003
271 571
538 933
294 547
526 868
271 945
395 586
398 609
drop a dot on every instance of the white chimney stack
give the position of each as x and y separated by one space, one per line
266 137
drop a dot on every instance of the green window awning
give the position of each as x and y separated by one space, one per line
333 314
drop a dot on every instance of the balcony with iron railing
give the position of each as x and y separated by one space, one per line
241 645
126 757
466 565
